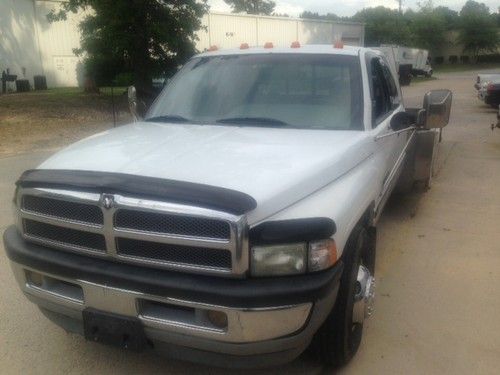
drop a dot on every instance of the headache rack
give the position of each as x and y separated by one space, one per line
129 229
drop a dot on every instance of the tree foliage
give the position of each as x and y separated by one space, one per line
427 27
450 17
265 7
315 15
478 30
383 26
144 37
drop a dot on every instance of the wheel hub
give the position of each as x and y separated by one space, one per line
364 295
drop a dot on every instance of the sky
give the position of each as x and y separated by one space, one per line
348 7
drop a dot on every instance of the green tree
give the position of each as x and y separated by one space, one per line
450 17
144 37
478 31
383 26
265 7
428 28
315 15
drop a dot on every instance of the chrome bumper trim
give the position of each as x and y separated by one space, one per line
244 325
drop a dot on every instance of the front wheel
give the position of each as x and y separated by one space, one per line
338 339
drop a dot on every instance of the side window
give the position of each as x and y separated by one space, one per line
391 84
381 102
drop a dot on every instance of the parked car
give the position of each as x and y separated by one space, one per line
235 224
489 93
485 77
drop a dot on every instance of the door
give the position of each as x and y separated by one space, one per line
389 145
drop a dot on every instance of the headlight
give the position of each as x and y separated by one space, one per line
279 260
293 259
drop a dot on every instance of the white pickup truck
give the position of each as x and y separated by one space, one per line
235 223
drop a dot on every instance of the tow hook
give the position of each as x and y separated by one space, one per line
365 295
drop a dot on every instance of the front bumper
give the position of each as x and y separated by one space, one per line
269 321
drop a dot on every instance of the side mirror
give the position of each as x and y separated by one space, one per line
417 116
137 107
401 121
437 105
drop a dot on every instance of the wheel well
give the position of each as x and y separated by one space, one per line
367 220
368 217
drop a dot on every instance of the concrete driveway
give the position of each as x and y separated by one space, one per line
438 263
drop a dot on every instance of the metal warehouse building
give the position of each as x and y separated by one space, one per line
30 45
230 30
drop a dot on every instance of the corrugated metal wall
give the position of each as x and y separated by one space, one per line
30 45
19 50
58 40
230 30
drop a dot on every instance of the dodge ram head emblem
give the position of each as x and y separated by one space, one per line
107 201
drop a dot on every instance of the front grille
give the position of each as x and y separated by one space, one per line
74 211
132 230
187 255
64 236
172 224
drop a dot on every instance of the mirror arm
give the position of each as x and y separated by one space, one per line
133 103
421 115
395 133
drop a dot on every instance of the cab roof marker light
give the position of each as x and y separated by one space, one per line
338 44
244 46
269 45
213 48
295 44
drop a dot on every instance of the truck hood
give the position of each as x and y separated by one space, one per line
277 167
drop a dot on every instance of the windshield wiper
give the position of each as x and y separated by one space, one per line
253 121
168 118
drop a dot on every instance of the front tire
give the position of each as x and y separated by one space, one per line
339 338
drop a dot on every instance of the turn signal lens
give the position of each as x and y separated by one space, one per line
322 255
295 44
269 45
244 46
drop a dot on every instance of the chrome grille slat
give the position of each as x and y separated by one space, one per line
212 240
63 210
93 228
49 233
173 253
171 239
176 225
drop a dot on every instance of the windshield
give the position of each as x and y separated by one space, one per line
281 90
